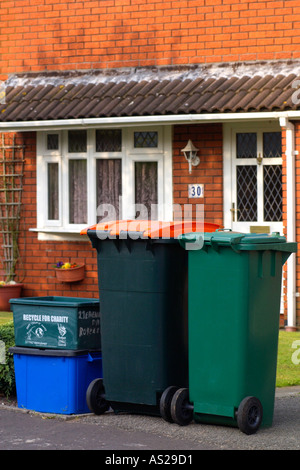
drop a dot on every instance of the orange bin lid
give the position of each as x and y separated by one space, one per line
152 228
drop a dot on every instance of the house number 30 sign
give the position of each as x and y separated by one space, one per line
196 190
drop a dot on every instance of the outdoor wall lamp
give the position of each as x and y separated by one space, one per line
190 153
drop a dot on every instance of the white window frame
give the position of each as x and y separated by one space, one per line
93 167
44 143
133 155
61 229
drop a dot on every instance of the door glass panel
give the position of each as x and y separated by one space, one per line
246 193
109 188
246 145
146 189
77 191
273 193
272 144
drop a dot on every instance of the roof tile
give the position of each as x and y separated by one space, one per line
44 98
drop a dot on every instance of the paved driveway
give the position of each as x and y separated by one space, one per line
28 430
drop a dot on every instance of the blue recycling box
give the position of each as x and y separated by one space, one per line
55 381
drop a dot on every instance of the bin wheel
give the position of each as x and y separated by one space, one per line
249 415
95 397
181 408
165 403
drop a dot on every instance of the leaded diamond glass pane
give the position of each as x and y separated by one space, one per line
246 193
272 144
77 141
273 193
108 140
145 139
52 142
246 145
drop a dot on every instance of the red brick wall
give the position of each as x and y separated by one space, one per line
37 258
297 209
297 164
56 34
283 318
208 139
284 220
39 35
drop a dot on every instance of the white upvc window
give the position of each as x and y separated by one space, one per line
88 175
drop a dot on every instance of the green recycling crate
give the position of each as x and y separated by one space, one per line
233 315
57 322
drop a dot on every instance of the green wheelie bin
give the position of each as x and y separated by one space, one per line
142 276
234 289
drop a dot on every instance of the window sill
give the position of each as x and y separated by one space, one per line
58 234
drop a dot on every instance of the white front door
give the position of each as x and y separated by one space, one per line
253 178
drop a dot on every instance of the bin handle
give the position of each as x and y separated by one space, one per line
233 241
92 359
196 244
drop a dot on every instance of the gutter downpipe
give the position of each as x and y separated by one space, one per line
291 221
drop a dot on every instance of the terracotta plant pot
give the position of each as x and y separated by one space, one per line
8 292
70 274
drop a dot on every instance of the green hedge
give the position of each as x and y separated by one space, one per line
7 372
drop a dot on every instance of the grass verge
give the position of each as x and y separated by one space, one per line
288 361
5 317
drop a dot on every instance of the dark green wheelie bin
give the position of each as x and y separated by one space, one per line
142 275
234 288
